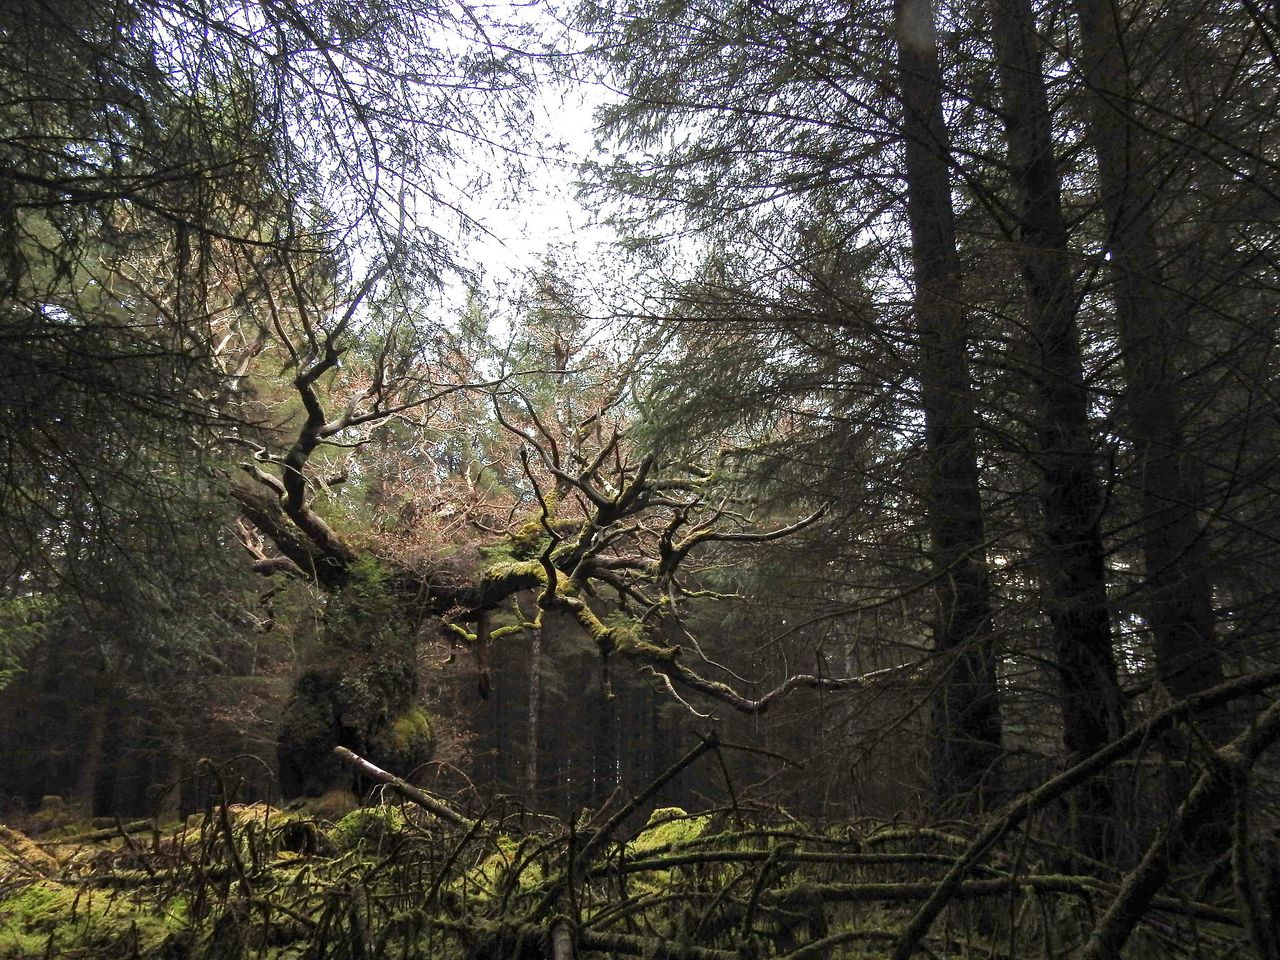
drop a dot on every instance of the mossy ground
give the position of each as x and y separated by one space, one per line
368 828
45 918
389 881
668 827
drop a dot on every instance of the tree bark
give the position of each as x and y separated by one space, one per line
561 939
86 788
1179 602
604 777
535 713
1071 499
967 727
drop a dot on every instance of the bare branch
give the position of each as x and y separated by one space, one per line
407 790
1018 810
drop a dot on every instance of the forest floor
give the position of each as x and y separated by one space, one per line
392 880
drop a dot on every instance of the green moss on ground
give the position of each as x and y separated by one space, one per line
494 872
376 884
50 919
368 827
22 858
333 805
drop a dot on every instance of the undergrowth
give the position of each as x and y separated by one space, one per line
392 881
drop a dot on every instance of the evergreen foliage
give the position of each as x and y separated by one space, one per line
888 566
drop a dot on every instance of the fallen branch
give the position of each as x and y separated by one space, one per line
1204 801
96 836
612 944
1080 886
407 790
1046 793
602 836
821 949
696 857
616 943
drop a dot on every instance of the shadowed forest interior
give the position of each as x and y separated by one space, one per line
693 479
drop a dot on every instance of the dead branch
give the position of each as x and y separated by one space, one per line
1220 778
1081 886
607 829
1018 810
407 790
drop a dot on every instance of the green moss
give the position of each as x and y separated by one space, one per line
34 902
651 651
50 919
22 857
367 827
668 827
625 631
259 816
515 569
406 743
495 554
332 805
530 539
524 545
495 870
411 729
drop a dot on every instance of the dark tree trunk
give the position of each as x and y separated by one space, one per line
86 788
967 729
535 709
599 743
1074 565
359 690
1179 602
502 705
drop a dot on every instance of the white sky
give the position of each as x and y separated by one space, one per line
545 214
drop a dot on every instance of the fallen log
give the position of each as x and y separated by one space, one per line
97 836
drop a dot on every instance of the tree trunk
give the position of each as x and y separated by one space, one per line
86 788
501 782
967 728
535 709
1179 602
604 760
359 690
1071 499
